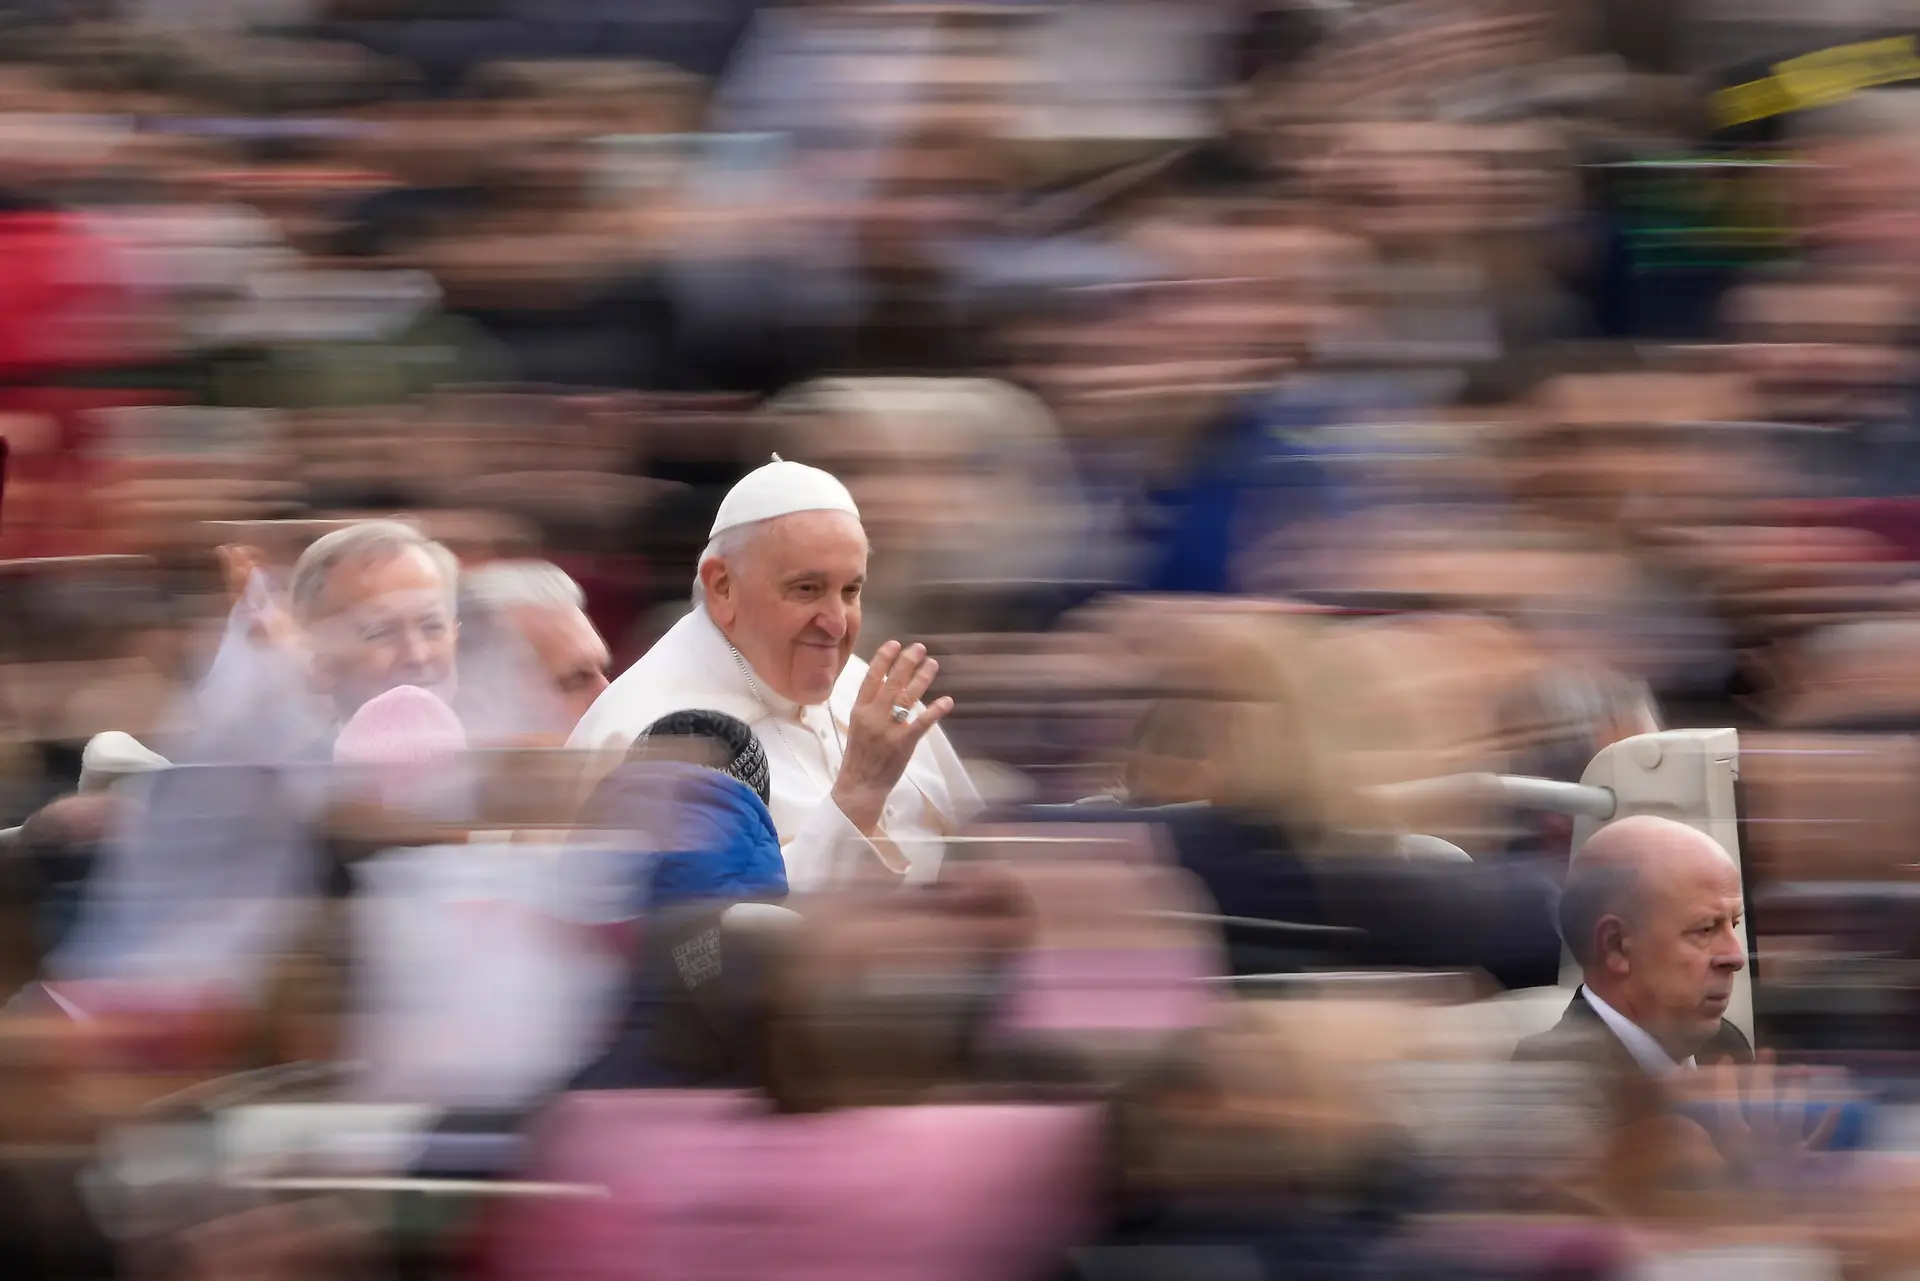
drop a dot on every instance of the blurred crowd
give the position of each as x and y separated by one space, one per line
1253 411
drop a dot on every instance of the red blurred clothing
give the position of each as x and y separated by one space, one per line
66 306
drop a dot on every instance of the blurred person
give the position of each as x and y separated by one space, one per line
1833 348
1858 196
1216 406
957 481
1245 762
1557 723
738 858
697 780
551 272
377 603
863 780
845 181
207 875
71 305
211 872
881 1000
57 848
1468 220
368 608
628 916
1260 1148
400 768
548 609
405 747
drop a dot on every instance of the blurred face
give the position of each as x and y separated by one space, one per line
382 623
570 652
790 601
1673 967
1825 352
1861 196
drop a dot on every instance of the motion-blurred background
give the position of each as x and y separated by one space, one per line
1250 402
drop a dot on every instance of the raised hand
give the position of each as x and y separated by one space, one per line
268 622
887 724
1761 1112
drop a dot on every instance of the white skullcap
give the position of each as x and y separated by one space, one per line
781 488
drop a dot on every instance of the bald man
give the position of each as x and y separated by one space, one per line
1652 914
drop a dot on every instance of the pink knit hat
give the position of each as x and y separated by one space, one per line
406 726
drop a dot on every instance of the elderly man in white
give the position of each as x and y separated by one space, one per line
863 781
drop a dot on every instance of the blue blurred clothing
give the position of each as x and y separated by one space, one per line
1273 466
714 845
1882 459
1852 1129
1249 472
713 839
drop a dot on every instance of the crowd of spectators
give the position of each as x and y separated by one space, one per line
1256 409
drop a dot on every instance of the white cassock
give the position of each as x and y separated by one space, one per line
694 667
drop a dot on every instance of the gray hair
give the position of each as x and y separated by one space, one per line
1593 892
504 584
725 545
357 543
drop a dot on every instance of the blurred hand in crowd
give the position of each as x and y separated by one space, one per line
1764 1117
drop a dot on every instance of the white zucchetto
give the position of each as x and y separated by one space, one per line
781 488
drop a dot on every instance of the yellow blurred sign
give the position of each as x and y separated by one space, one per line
1819 79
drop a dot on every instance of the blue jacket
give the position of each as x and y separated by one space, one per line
711 837
1267 465
1272 469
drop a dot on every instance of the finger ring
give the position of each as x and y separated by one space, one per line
901 713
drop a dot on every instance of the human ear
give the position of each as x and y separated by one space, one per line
717 586
1610 943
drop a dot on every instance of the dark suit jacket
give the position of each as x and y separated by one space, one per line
1573 1038
1582 1036
1648 1152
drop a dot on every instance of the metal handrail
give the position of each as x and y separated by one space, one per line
1576 799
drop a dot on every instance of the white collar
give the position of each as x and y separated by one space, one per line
1646 1051
739 672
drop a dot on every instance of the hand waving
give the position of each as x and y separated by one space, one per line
1762 1112
880 741
268 622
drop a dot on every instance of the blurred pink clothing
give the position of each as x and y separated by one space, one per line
406 726
714 1186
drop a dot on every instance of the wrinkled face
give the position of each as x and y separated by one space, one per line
1677 960
383 622
789 600
570 651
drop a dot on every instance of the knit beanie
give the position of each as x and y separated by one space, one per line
737 751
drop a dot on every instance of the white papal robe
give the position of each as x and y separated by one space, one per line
693 667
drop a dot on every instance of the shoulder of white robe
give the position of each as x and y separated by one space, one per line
679 673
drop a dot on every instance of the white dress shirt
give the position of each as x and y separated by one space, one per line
1646 1051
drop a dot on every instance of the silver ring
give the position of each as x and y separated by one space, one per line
901 713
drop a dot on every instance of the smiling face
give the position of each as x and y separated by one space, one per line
789 600
384 621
